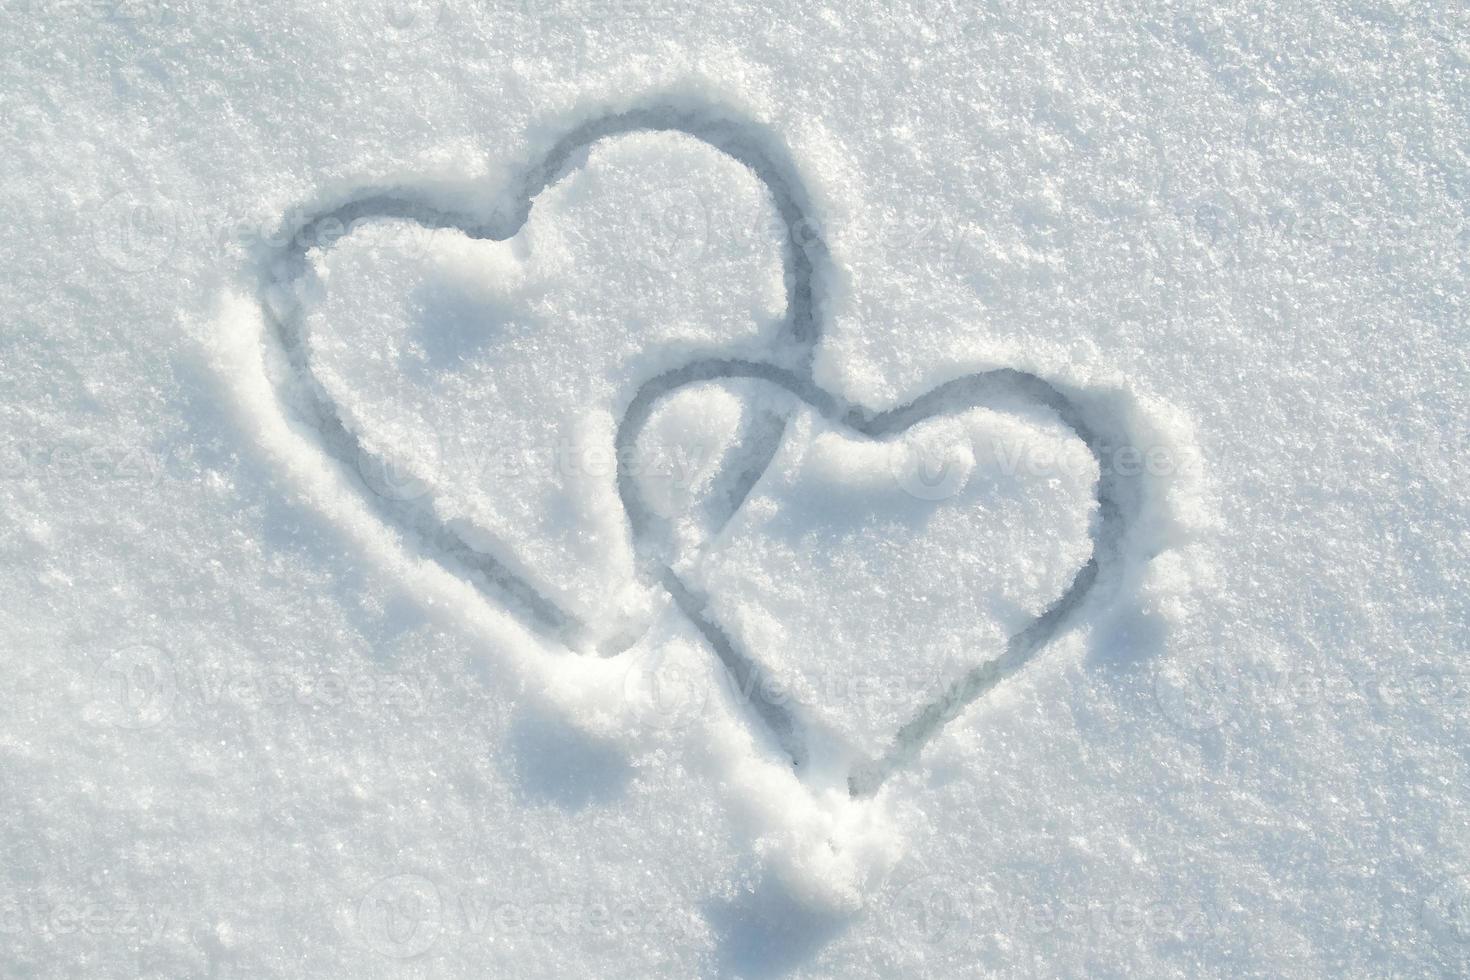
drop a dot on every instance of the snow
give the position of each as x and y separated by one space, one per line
835 553
499 365
494 581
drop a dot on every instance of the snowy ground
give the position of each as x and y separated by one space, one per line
454 524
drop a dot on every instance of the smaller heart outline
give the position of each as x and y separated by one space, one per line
1002 389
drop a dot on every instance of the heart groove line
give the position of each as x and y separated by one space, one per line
991 389
748 143
805 262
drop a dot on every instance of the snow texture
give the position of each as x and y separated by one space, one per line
533 488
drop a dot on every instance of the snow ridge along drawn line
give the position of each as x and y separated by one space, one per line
789 367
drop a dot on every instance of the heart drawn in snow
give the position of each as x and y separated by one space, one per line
643 374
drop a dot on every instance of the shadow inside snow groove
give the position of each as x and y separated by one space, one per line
805 261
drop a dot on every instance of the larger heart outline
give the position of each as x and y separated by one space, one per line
806 263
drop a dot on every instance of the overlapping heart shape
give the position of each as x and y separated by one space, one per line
787 367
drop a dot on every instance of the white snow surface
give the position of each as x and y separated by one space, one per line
258 722
829 565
